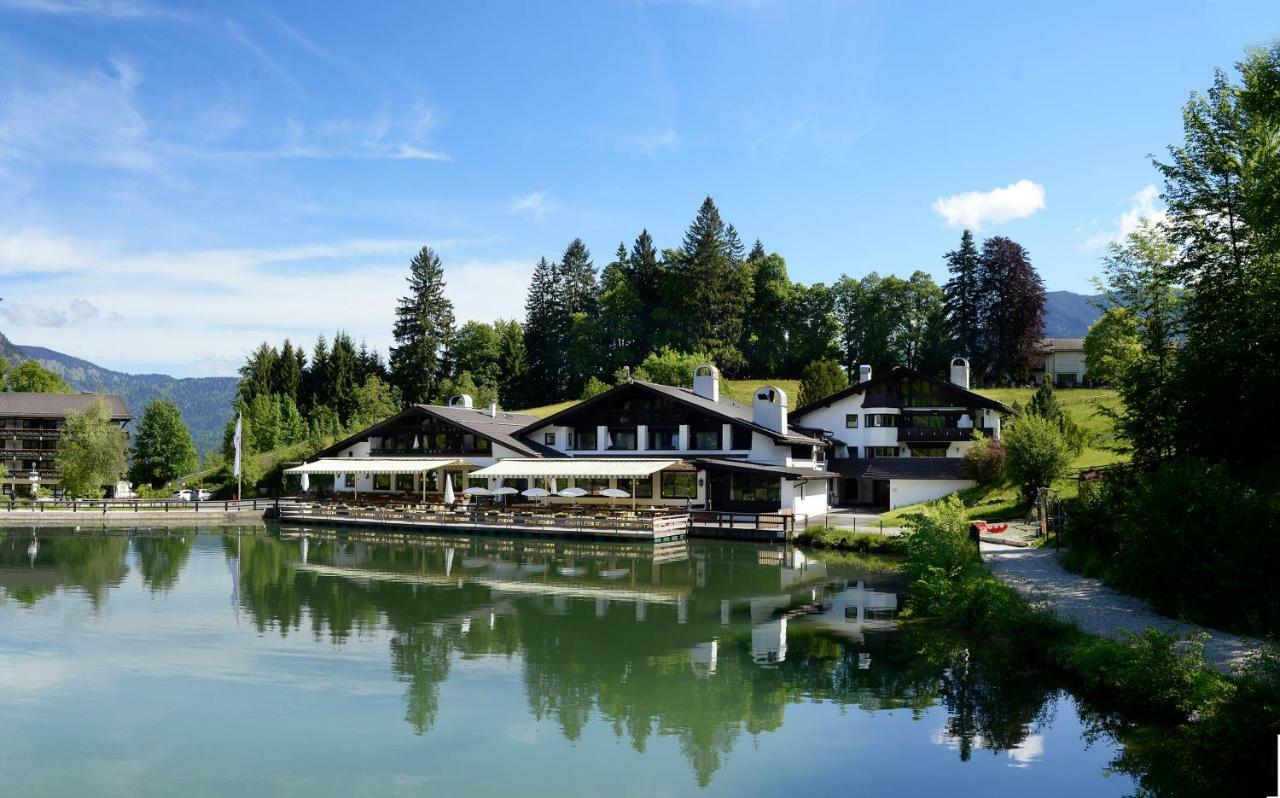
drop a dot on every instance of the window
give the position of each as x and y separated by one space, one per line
741 437
882 451
851 420
664 439
549 438
382 482
801 452
642 488
754 488
622 440
584 439
882 419
706 438
593 485
679 484
349 480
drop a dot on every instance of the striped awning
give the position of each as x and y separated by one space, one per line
573 467
373 465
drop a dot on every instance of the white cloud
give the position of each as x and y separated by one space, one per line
536 204
142 309
1142 205
974 209
108 9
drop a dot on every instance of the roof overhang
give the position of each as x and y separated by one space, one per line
374 465
744 467
516 467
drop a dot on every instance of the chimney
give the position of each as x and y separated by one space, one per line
706 382
960 372
493 409
864 373
769 409
460 400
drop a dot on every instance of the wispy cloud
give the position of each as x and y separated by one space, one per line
105 9
234 296
536 204
975 209
1142 205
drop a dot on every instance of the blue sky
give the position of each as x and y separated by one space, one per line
179 182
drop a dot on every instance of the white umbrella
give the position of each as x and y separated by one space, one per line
615 493
572 493
448 489
504 491
477 492
306 483
535 493
552 487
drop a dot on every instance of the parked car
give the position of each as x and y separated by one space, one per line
181 495
203 495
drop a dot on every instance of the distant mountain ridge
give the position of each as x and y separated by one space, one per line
1068 315
205 402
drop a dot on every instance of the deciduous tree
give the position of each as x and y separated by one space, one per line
92 450
162 446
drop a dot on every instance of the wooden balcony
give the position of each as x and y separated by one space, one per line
938 435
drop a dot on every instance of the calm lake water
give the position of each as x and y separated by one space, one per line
171 662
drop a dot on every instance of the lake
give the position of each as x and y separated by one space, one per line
251 662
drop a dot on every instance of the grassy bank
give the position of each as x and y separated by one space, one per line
829 537
1222 740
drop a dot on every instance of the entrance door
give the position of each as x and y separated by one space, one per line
880 492
849 491
717 490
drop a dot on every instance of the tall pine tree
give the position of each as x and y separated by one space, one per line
964 305
544 335
645 273
423 329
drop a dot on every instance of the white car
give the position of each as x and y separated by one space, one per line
181 495
203 495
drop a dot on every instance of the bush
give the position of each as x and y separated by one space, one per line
1035 454
830 537
984 462
940 554
669 366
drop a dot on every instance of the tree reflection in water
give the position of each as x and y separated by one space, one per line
643 645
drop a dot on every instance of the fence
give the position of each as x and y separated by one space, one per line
105 506
657 526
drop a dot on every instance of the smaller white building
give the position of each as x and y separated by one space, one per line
1062 361
901 438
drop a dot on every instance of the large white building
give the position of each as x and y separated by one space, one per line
900 438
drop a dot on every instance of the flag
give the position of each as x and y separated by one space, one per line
239 420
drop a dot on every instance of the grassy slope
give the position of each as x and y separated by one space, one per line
738 390
1000 502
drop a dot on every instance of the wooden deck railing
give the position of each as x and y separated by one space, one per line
104 506
781 526
659 525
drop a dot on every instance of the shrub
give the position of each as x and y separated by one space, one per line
939 553
1035 454
830 537
984 462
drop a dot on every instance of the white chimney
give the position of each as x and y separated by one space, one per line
706 382
960 372
460 400
864 373
769 409
493 409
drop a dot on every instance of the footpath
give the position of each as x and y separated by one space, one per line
1098 609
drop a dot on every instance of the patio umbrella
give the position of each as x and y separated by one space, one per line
504 491
306 483
477 492
535 493
448 489
572 493
615 493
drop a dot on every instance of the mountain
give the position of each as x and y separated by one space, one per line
205 402
1068 315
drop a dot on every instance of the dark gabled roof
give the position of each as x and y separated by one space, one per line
1061 345
501 429
746 467
58 405
899 467
900 372
726 409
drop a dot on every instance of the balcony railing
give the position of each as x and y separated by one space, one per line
938 435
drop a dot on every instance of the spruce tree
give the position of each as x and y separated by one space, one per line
645 272
513 366
964 305
757 251
620 315
423 328
544 333
341 388
288 371
578 275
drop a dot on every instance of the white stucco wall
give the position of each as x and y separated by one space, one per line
913 491
804 497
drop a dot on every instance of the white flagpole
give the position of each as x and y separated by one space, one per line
239 477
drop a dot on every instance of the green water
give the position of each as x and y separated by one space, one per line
167 662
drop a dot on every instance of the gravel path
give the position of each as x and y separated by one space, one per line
1098 609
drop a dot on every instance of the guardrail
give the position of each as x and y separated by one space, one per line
781 526
658 525
105 506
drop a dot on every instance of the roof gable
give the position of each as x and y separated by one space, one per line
965 397
500 429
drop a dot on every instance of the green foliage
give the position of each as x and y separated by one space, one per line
1230 735
481 395
162 446
1036 453
423 329
1159 675
963 303
821 379
477 348
1044 403
92 450
984 462
1112 346
1188 536
940 554
888 321
377 401
31 377
594 387
1012 301
668 366
829 537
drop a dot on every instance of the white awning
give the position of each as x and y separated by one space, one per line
573 467
373 465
